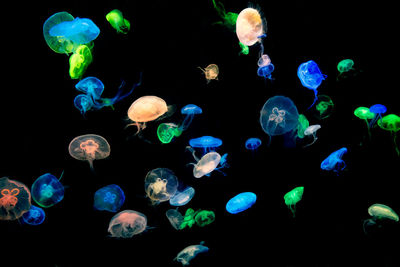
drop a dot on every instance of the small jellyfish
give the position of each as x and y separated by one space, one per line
265 71
302 126
364 114
109 198
211 72
381 212
264 60
127 223
83 103
323 107
279 115
118 22
89 147
244 49
79 30
79 61
311 77
188 253
241 202
378 110
292 197
207 143
312 131
189 111
250 26
344 66
15 199
391 123
188 218
160 185
34 216
204 217
91 86
334 161
47 190
175 218
167 131
252 143
228 18
182 197
58 44
206 164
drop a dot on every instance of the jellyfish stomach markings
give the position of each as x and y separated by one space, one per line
9 198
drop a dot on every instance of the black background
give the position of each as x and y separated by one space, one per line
167 42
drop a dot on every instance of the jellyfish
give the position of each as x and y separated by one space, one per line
310 77
15 199
228 18
207 143
252 143
211 72
241 202
188 218
323 106
391 122
58 44
79 61
189 111
250 26
109 198
167 131
364 114
334 161
83 103
89 147
244 49
160 185
175 218
34 216
118 22
344 66
206 164
204 217
127 223
278 116
378 110
264 60
265 71
380 214
292 197
312 131
47 190
188 253
182 197
91 86
79 30
302 126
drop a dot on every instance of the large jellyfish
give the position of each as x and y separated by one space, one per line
310 77
278 116
391 123
47 190
241 202
364 114
58 44
189 111
110 198
188 253
204 217
207 143
79 61
175 218
182 197
292 197
252 143
127 223
334 161
118 22
206 164
323 107
160 185
89 147
15 199
250 26
211 72
79 30
378 110
34 216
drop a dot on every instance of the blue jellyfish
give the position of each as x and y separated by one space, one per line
188 253
265 71
252 143
83 103
78 31
182 197
241 202
378 110
34 216
91 86
334 161
279 115
47 190
189 111
207 143
110 198
310 77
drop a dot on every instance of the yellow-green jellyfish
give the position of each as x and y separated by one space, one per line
391 123
292 197
364 114
118 22
79 61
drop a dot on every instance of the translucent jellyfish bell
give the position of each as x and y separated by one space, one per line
34 216
391 123
160 185
310 77
118 22
127 223
182 197
83 103
79 30
302 126
292 197
47 190
207 143
206 164
278 116
266 71
312 131
89 147
189 111
211 72
15 199
264 60
323 106
167 131
204 217
175 218
188 253
250 26
380 211
91 86
334 161
241 202
344 66
378 110
364 114
109 198
79 61
252 143
58 44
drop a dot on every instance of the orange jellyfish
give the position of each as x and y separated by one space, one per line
89 147
211 72
15 199
250 27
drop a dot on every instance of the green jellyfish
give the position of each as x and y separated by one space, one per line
117 21
292 197
188 219
204 217
364 114
344 66
244 49
324 107
391 123
228 18
167 131
302 126
79 61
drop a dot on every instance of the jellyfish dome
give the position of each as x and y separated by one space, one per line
47 190
83 103
334 161
109 198
278 116
118 22
167 131
378 109
34 216
252 143
191 109
160 185
206 164
188 253
381 211
292 197
127 223
182 197
266 71
58 44
79 61
91 86
205 142
345 65
211 72
241 202
310 75
264 60
249 26
204 217
15 199
175 218
79 30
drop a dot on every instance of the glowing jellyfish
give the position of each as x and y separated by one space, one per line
244 49
252 143
182 197
118 22
302 125
58 44
79 30
278 116
167 131
110 198
378 110
204 217
206 164
364 114
334 161
188 218
265 71
207 143
47 190
264 60
160 185
127 223
323 107
79 61
312 131
175 218
145 109
91 86
381 212
241 202
89 147
34 216
292 197
250 27
391 123
188 253
344 66
83 103
310 77
228 18
189 111
15 199
211 72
